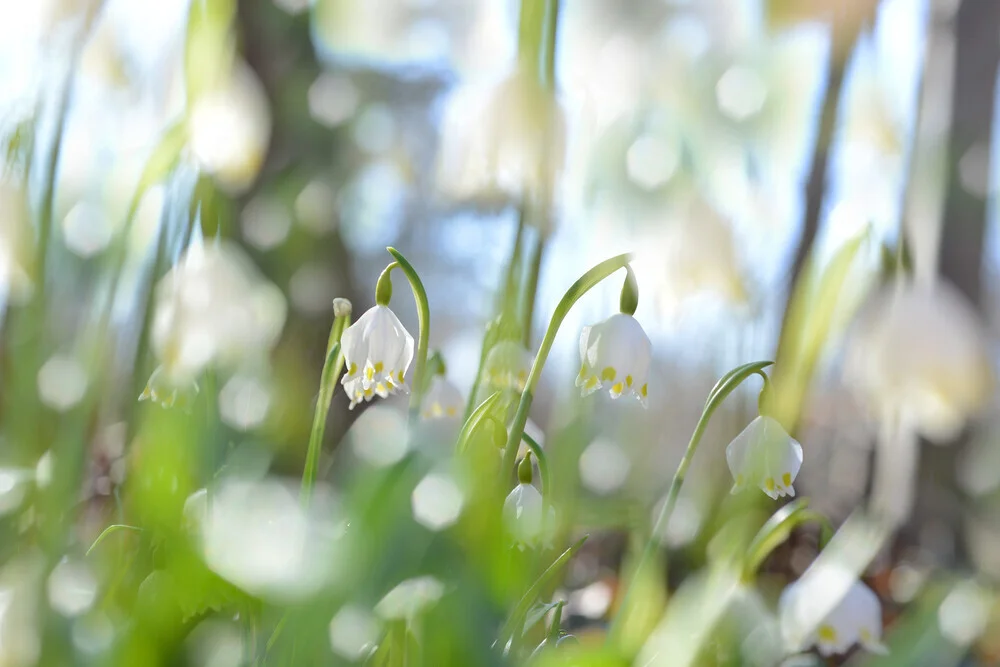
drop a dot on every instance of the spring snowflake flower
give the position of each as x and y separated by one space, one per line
443 400
378 351
524 513
616 353
212 307
507 366
919 353
501 144
230 129
765 456
857 619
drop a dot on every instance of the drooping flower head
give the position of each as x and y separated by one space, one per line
502 144
507 366
856 619
765 456
615 353
919 353
213 307
443 400
377 351
525 513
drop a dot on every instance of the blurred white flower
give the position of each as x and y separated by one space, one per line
616 353
856 619
15 280
258 536
693 254
72 588
765 456
919 353
14 483
526 515
437 501
212 307
443 400
409 598
62 382
502 144
507 366
230 128
462 34
353 632
377 350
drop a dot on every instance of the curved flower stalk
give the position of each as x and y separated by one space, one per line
725 386
765 456
856 619
918 353
573 294
378 349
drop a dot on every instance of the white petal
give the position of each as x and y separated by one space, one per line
585 334
352 341
523 513
386 338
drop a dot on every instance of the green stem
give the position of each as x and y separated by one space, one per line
333 364
423 324
543 462
573 294
551 29
725 386
510 279
530 30
531 288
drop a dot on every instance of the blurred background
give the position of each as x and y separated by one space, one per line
188 185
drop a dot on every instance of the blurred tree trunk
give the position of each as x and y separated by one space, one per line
278 47
845 35
974 28
977 26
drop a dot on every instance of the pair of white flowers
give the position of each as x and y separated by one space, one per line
378 350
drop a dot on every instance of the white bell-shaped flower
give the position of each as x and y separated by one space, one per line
615 353
230 127
765 456
212 307
507 366
502 143
377 351
919 353
525 515
856 619
443 400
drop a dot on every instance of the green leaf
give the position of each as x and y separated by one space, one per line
524 605
538 612
114 528
811 320
778 528
478 417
